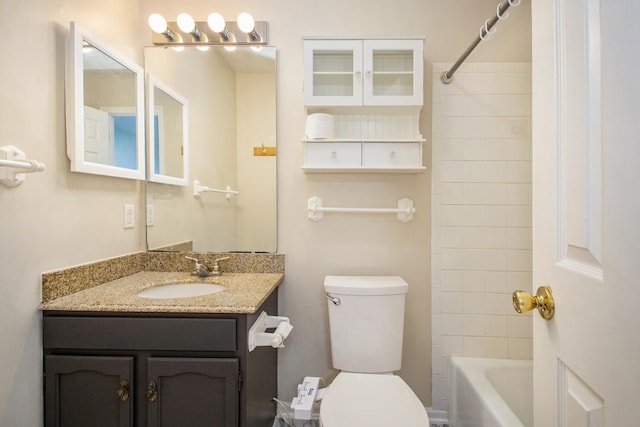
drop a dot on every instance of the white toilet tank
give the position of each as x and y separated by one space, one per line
366 321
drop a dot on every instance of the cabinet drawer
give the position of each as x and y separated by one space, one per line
332 154
391 155
124 333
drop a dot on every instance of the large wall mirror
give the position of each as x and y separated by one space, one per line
104 106
231 98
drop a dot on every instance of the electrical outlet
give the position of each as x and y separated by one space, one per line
150 215
129 216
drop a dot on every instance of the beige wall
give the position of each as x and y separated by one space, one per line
58 219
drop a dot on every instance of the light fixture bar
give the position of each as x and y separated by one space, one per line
210 37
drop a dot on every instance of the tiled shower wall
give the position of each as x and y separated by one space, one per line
481 219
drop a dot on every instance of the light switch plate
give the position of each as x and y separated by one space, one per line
129 216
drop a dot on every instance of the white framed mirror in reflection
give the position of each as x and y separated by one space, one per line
104 103
231 96
167 133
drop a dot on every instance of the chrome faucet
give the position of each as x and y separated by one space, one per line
217 271
201 269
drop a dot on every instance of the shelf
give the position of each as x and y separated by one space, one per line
365 140
363 170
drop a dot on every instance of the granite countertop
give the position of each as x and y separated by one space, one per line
243 293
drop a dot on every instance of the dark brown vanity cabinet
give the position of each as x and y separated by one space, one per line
170 370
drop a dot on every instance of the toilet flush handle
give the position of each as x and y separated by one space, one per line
333 299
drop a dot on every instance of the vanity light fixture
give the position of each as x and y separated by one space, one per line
247 25
159 25
188 25
215 31
217 23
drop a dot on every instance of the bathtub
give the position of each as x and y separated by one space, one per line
491 393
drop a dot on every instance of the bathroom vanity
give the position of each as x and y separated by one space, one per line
113 358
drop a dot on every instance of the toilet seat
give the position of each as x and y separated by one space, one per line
371 400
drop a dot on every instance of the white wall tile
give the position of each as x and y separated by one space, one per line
452 302
496 216
519 238
481 184
474 346
451 171
453 280
474 280
452 324
496 171
475 215
452 214
519 326
497 348
496 282
496 326
473 193
474 325
474 171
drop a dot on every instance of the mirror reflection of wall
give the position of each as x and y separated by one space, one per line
231 97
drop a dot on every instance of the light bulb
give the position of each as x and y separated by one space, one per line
157 23
230 48
186 23
216 22
202 48
246 22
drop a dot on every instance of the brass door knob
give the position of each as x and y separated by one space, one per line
543 301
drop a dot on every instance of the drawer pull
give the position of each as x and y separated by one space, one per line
152 391
333 154
123 391
392 154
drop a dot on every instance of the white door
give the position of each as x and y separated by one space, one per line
97 143
586 211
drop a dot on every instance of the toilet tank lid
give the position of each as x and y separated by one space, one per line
365 285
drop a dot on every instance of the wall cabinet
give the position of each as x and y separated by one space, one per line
150 370
363 72
373 89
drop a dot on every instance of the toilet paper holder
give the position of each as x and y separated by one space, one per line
258 337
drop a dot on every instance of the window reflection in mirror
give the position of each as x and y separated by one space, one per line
232 111
104 101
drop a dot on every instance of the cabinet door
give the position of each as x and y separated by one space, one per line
83 391
194 392
393 72
332 72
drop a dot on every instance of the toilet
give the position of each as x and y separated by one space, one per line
366 322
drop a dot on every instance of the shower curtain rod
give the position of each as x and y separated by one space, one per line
485 33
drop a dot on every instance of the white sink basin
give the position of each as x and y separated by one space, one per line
180 290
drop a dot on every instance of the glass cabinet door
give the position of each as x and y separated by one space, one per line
393 72
333 72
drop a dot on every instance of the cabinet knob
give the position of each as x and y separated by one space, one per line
123 391
334 154
392 154
358 75
152 391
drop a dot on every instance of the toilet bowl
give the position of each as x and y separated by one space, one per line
371 400
366 323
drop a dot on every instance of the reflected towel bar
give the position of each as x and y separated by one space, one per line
197 189
404 209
